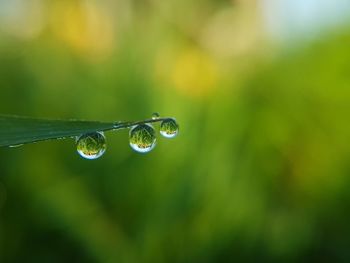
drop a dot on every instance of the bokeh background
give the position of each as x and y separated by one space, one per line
260 171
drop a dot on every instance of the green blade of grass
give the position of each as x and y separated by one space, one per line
15 130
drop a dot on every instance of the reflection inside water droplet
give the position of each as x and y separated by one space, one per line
91 145
142 138
169 128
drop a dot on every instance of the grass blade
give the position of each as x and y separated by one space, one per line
15 130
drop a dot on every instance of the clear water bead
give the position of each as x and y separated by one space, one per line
155 116
91 145
142 138
169 128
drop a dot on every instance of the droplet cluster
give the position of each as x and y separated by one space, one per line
142 138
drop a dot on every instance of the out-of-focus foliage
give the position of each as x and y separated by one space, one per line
259 171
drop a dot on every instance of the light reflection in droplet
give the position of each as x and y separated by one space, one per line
169 128
91 145
142 138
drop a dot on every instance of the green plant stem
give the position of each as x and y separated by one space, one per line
126 125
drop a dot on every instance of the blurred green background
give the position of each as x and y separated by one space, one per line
260 171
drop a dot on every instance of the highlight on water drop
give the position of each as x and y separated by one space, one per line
169 128
142 138
91 145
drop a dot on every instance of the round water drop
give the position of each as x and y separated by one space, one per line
169 128
91 145
142 138
155 116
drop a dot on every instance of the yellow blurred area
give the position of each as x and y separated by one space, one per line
86 26
190 71
234 31
194 73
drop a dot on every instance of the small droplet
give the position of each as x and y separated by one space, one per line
169 128
91 145
142 138
155 115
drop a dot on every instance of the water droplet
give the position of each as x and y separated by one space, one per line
169 128
91 145
142 138
155 115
